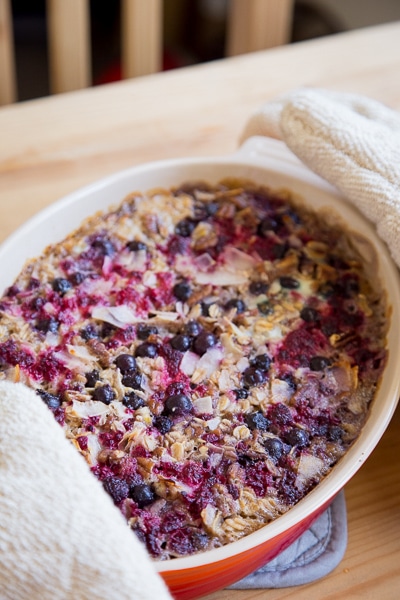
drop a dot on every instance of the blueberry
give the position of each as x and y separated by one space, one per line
48 324
258 287
185 227
279 250
205 308
76 278
192 328
265 307
61 285
199 539
144 331
203 342
88 333
335 433
257 421
135 246
117 488
241 393
319 363
146 350
107 330
162 423
37 303
211 208
181 342
309 314
91 378
289 283
262 362
296 437
125 363
178 404
51 400
274 447
142 494
104 246
253 376
236 303
132 401
104 394
268 224
133 379
182 291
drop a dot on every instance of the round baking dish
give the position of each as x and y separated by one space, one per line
267 162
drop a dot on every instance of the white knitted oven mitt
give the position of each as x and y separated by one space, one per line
351 141
61 537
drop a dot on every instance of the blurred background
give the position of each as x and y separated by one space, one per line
194 32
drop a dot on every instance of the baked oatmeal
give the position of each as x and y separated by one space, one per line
211 351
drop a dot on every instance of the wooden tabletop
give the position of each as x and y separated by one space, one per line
52 146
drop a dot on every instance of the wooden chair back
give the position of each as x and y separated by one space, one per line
251 25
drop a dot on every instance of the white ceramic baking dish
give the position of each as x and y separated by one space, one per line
270 163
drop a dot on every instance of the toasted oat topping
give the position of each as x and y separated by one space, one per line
211 351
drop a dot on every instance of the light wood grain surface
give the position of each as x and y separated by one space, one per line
52 146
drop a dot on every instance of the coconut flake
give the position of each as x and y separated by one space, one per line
116 315
98 286
93 447
203 262
165 315
210 361
212 424
90 408
189 362
238 260
220 276
107 266
309 467
80 352
280 391
203 405
134 261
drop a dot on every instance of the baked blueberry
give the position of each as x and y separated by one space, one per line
261 361
256 288
289 283
146 350
125 363
203 342
61 285
182 291
192 328
253 376
274 447
144 331
236 303
319 363
135 246
133 401
104 393
185 227
92 377
51 400
257 420
133 379
178 404
162 423
296 437
181 342
142 494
